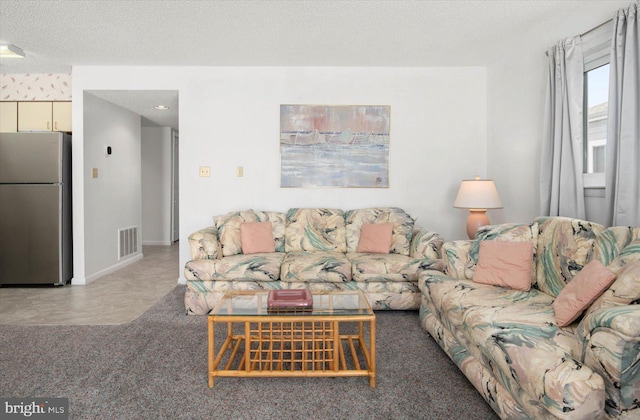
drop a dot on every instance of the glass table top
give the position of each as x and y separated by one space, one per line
254 303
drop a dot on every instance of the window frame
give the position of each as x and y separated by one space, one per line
596 48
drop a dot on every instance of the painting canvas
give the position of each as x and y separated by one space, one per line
334 146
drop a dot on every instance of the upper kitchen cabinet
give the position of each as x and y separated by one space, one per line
8 117
44 116
35 116
62 116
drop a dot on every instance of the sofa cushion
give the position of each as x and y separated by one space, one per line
507 264
629 255
457 262
580 292
229 229
316 266
611 242
256 237
389 267
402 227
375 238
564 246
315 230
278 221
241 267
452 298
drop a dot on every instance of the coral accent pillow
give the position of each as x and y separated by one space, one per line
375 238
506 264
581 291
256 237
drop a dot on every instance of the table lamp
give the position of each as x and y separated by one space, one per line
477 195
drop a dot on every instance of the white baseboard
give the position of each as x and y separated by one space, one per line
156 243
95 276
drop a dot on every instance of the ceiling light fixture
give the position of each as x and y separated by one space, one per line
11 51
161 107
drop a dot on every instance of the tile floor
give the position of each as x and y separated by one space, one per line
116 298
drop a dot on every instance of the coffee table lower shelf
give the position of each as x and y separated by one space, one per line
293 346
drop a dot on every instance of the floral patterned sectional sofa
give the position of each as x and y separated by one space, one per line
508 340
314 248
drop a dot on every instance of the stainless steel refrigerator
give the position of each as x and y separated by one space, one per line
35 208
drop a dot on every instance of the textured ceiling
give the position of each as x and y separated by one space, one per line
57 35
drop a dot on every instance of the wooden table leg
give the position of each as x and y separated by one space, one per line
372 352
211 352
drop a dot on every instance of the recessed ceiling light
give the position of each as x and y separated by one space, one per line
161 107
11 51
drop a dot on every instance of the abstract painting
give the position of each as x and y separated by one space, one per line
334 146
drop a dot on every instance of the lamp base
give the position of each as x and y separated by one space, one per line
477 218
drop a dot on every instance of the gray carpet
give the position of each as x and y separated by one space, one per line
156 367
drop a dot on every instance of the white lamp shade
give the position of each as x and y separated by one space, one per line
478 194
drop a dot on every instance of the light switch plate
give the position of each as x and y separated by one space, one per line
94 172
240 171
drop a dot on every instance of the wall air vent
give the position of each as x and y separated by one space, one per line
127 242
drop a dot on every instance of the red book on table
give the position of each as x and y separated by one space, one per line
296 298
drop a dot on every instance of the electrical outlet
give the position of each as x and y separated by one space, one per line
205 171
94 172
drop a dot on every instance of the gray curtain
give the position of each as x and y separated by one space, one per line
622 170
561 187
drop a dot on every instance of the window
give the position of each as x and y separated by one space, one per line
596 95
596 45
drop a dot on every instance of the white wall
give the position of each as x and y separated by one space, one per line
156 185
113 200
514 135
230 117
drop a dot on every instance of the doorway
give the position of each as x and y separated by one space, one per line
159 146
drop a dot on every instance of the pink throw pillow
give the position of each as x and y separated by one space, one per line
581 291
506 264
375 238
256 237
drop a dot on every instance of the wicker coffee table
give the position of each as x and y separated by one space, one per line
337 337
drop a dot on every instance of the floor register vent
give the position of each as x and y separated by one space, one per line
127 241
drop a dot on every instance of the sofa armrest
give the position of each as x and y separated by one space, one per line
610 339
425 244
204 244
455 255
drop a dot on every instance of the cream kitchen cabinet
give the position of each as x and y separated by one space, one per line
62 116
35 116
8 117
44 116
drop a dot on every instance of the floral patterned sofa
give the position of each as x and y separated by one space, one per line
508 342
315 248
